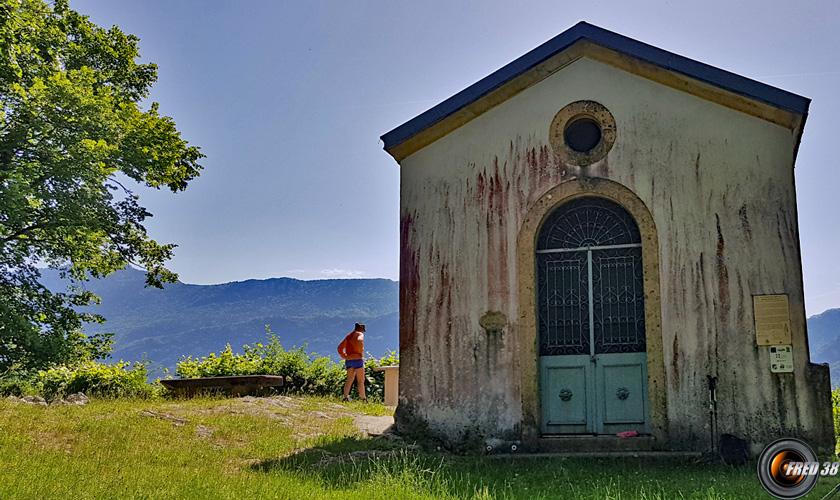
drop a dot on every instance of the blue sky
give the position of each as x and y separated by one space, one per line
288 99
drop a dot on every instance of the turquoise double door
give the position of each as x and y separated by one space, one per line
592 349
601 395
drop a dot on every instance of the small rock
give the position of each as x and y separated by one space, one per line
14 399
203 431
281 401
176 421
77 399
373 426
34 400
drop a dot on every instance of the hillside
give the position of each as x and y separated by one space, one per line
184 319
824 340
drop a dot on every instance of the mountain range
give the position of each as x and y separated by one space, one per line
184 319
161 326
824 341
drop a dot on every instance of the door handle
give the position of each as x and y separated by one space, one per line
593 359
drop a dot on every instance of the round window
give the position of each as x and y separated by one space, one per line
582 134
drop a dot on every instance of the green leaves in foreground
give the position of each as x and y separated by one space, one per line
835 404
304 372
73 139
118 380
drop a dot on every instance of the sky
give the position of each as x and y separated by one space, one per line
288 99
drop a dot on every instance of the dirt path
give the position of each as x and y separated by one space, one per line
306 416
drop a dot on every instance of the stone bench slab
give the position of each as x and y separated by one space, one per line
235 385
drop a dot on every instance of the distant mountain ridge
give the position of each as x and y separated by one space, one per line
184 319
824 341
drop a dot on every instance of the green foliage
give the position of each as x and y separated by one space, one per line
72 137
304 373
835 403
16 385
95 379
374 380
217 365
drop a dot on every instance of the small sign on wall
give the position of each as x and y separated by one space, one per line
781 358
772 319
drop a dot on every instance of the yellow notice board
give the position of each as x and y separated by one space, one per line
772 319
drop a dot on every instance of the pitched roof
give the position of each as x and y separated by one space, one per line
725 80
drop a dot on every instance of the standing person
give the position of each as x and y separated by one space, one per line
351 350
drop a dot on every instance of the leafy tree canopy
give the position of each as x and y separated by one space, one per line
72 132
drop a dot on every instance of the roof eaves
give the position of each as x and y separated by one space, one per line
611 40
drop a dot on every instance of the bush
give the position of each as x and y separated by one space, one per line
225 363
16 385
117 380
323 377
835 400
304 373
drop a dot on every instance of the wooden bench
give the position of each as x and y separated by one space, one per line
237 385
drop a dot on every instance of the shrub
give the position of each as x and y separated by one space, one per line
304 373
224 364
96 379
323 377
835 400
16 385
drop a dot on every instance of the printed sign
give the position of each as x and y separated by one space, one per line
772 319
781 359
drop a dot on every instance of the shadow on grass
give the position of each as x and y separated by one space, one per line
386 465
333 458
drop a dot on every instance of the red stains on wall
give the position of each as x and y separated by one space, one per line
409 282
496 219
722 271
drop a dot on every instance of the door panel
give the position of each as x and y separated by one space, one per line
563 295
618 301
567 389
621 392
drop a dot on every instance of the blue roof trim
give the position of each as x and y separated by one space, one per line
620 43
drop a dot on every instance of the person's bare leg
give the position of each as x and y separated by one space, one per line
349 383
360 383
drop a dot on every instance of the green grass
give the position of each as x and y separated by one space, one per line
301 448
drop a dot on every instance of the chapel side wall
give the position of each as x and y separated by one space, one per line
718 184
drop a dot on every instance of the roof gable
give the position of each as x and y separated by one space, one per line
586 40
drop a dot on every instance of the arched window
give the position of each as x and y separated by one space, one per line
588 222
589 280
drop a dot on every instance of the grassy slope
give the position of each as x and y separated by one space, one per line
110 449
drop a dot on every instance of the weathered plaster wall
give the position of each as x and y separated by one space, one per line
719 186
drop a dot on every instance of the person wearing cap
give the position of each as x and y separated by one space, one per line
351 350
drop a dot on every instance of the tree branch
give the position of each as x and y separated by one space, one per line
20 232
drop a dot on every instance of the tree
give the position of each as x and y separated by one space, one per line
73 137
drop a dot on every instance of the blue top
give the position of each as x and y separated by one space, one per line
620 43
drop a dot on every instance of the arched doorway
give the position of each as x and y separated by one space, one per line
591 320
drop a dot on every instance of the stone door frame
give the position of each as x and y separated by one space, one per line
526 326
